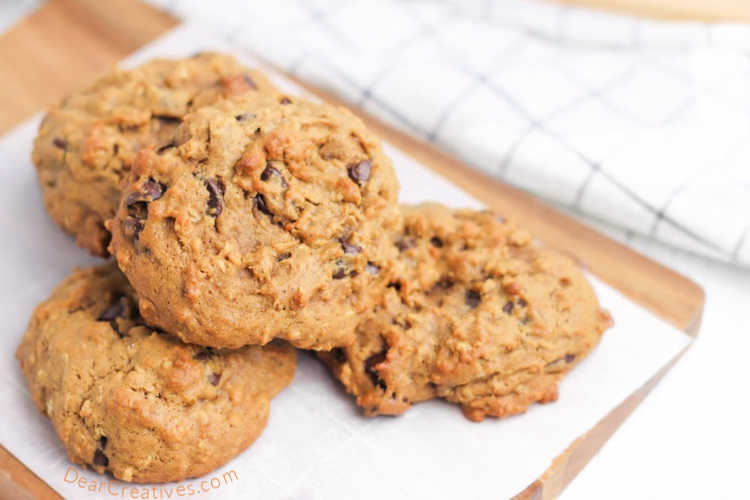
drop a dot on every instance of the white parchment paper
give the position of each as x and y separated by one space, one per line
316 445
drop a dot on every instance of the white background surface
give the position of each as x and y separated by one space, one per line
690 438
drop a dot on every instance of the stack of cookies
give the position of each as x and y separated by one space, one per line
245 223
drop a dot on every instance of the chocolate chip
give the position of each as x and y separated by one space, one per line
137 201
214 378
152 189
260 203
372 268
569 358
370 369
472 298
250 82
168 119
522 302
360 172
340 273
350 248
405 244
395 285
170 144
114 311
204 354
243 117
103 442
271 171
339 354
285 100
133 227
283 256
100 459
437 242
445 284
60 143
508 307
215 203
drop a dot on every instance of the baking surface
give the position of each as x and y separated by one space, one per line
316 445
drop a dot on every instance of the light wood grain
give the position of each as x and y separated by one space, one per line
686 10
66 43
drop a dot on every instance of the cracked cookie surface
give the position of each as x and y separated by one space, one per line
476 313
134 401
86 145
262 222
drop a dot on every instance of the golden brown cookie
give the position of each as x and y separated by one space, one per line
86 145
261 223
137 402
475 313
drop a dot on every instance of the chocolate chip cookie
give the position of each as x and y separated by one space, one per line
259 223
86 145
132 400
475 312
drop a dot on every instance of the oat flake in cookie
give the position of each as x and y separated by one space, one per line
134 401
86 145
475 313
262 222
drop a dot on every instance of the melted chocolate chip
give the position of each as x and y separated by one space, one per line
360 172
340 273
339 354
133 227
436 242
445 284
569 358
137 202
169 145
60 143
214 378
204 355
168 119
283 256
473 298
153 190
285 100
215 203
350 248
372 268
116 310
508 307
271 171
243 117
370 369
103 442
405 244
395 285
100 459
260 203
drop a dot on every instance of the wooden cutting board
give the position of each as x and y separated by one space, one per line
67 43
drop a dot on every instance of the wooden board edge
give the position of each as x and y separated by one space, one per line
570 462
672 10
18 482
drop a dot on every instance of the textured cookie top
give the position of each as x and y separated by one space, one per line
86 145
135 401
476 313
262 222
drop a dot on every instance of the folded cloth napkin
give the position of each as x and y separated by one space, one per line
638 123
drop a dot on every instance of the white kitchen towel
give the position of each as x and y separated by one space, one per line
638 123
